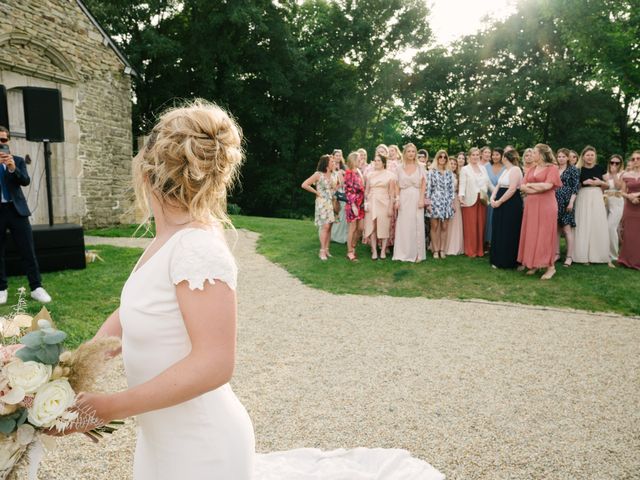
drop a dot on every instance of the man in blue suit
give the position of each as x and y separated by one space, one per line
14 215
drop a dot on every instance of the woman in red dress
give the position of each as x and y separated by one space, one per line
630 252
539 233
354 209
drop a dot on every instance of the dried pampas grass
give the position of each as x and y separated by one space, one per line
83 366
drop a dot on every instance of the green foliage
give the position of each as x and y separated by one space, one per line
10 423
305 77
43 345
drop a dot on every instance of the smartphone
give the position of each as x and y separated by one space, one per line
4 148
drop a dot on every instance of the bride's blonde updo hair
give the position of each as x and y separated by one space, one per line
191 160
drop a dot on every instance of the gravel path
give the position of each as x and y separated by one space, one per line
479 390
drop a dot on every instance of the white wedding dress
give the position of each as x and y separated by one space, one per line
211 436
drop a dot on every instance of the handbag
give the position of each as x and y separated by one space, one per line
336 205
341 196
484 198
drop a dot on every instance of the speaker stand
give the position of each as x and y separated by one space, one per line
47 172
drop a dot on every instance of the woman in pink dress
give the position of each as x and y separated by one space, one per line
455 239
354 209
379 197
539 233
409 243
630 252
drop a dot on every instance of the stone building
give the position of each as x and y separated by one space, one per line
58 44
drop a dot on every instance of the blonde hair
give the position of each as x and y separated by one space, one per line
352 160
434 164
384 147
586 149
524 154
546 152
191 160
404 152
397 150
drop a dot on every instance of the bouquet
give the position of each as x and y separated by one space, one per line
38 385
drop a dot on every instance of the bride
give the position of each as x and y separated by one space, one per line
177 321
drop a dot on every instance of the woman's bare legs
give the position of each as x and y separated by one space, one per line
435 237
569 235
373 242
444 233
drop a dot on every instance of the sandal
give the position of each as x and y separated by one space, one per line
548 275
435 254
532 271
442 255
322 255
352 257
568 262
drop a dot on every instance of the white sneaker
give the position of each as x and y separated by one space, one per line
41 295
3 297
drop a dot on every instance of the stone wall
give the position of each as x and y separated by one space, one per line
52 43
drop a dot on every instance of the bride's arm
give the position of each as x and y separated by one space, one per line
111 326
210 319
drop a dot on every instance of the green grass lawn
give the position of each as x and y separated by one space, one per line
294 245
82 299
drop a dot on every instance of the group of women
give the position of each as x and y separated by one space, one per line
483 201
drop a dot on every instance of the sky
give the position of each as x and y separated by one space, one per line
451 19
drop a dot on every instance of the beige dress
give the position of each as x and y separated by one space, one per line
615 205
409 242
378 203
455 238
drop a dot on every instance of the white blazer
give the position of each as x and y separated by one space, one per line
468 187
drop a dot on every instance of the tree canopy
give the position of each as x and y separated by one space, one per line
305 77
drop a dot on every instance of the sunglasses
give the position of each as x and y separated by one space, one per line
614 163
4 140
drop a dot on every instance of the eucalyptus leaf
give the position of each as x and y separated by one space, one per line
7 425
33 339
56 336
24 413
27 354
48 354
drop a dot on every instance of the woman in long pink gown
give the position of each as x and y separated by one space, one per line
455 239
539 233
409 242
630 252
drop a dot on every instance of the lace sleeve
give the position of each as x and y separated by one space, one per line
202 255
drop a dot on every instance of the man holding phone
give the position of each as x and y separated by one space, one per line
14 215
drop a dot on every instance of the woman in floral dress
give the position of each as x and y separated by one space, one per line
354 210
566 197
324 191
441 192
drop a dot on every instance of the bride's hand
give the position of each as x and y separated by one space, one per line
93 409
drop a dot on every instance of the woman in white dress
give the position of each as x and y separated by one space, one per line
177 315
615 202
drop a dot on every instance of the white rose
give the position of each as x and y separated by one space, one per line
28 376
50 402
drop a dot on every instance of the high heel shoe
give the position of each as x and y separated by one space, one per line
352 257
322 255
568 262
442 255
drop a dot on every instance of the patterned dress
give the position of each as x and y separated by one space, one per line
324 203
570 183
441 192
354 190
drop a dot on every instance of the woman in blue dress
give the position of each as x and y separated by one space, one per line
494 170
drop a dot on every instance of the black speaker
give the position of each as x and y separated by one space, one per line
43 114
4 111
